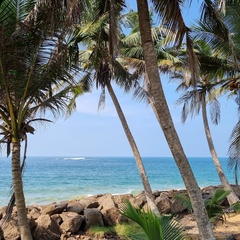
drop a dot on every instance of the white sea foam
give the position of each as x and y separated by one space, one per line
75 158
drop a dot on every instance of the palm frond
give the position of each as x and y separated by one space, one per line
101 102
233 151
215 111
219 31
190 105
170 13
165 227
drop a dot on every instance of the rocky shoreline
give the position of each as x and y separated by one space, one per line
69 220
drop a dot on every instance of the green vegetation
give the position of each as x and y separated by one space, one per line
215 210
37 77
121 230
153 227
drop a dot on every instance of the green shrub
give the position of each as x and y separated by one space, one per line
213 205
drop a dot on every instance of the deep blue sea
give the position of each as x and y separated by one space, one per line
49 179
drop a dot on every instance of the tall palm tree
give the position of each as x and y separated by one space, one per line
170 11
221 31
192 106
101 66
33 61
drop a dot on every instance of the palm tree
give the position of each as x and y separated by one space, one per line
221 31
192 106
33 62
167 62
99 59
170 11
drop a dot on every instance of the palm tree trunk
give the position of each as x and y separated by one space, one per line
147 188
232 197
18 190
166 123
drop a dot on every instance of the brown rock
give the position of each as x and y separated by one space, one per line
2 211
93 217
34 213
67 215
47 229
163 203
54 208
90 202
10 230
139 200
108 209
156 193
177 206
118 199
72 224
74 206
57 218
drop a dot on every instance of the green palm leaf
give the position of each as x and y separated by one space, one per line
165 227
233 151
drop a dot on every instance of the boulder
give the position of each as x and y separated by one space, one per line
10 230
177 206
156 193
72 223
93 217
2 211
139 200
122 219
47 229
209 190
118 199
57 218
67 215
163 203
90 202
108 209
34 213
75 206
236 189
54 208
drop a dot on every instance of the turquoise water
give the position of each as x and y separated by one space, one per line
49 179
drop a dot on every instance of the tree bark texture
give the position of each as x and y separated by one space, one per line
166 123
18 191
147 188
232 197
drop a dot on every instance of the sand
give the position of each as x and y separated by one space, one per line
230 229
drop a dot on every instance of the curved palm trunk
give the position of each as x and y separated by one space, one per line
165 120
232 197
141 169
18 190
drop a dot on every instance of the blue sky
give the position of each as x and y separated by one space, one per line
91 133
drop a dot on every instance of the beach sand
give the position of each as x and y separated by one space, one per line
230 229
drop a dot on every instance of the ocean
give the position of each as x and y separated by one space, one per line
54 179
